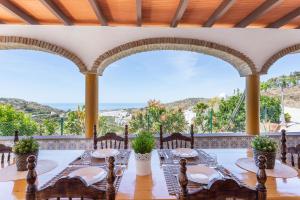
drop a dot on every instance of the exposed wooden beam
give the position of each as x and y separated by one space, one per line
179 12
259 11
285 19
139 12
17 11
54 9
98 12
219 12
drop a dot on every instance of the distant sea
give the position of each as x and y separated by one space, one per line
102 106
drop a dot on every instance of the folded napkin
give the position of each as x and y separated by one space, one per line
89 175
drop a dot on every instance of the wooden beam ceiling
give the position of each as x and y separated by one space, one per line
139 12
285 19
54 9
98 12
179 12
219 12
19 12
259 11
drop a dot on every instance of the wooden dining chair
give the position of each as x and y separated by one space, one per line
225 188
177 138
111 140
293 151
7 150
66 187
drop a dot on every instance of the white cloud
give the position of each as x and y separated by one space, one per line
222 95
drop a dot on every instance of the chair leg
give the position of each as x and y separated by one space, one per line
298 161
2 158
292 159
8 157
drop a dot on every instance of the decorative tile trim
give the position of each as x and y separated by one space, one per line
240 61
203 141
277 56
15 42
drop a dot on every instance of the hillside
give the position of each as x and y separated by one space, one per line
186 103
29 107
291 95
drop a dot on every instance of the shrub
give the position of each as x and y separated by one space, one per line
143 143
24 146
287 117
264 143
12 120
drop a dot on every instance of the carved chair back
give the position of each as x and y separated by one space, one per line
225 188
293 151
67 187
7 150
176 140
111 140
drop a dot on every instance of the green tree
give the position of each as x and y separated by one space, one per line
75 122
11 120
173 121
225 110
72 124
108 124
156 114
270 108
103 125
201 121
51 126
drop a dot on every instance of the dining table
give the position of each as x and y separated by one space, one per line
154 185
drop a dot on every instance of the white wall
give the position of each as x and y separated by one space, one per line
88 42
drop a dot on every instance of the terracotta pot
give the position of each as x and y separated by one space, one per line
143 164
270 156
21 160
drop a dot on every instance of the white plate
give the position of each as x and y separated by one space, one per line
91 175
201 174
185 152
103 153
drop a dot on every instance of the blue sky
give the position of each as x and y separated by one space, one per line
162 75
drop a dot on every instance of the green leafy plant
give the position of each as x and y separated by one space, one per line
264 143
157 114
143 143
287 117
11 120
27 145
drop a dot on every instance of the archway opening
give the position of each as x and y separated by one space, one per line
282 82
184 87
37 91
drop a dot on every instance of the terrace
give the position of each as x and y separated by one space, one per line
250 35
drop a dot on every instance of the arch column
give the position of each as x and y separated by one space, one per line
91 103
252 104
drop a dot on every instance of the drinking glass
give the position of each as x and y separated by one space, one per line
176 159
86 158
213 161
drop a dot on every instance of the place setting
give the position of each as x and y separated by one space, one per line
89 175
199 175
193 156
98 157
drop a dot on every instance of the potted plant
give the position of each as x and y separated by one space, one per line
265 146
23 149
142 146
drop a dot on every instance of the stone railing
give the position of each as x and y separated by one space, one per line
204 141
